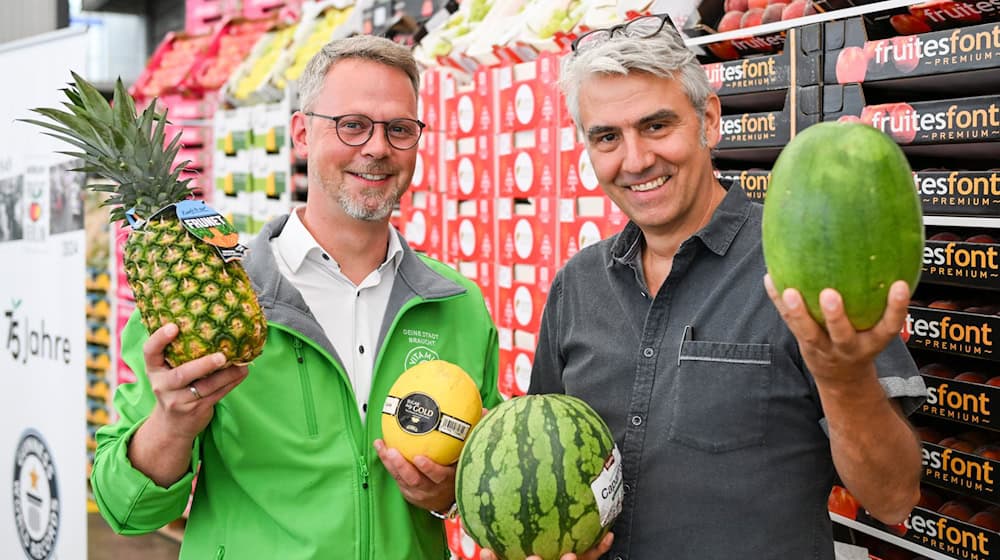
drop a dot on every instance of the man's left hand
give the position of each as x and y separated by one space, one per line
838 351
423 482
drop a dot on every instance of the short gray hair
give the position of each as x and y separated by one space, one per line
365 47
663 54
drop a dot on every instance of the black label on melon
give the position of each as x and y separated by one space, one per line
417 413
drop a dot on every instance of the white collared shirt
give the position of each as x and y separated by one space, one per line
351 315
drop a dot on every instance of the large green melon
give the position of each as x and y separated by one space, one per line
841 212
539 475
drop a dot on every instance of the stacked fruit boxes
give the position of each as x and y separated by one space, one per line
470 187
98 361
421 208
906 85
527 160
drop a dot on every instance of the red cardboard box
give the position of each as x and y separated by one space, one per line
585 221
528 94
527 163
470 174
470 109
529 235
423 225
576 172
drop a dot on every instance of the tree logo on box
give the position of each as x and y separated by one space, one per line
36 497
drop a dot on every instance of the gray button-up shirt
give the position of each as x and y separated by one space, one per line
718 420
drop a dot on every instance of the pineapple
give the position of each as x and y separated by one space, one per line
175 276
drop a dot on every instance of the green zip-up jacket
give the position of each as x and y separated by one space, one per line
286 468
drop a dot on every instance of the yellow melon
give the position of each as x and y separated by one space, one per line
430 410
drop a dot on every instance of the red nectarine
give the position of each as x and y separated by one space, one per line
957 509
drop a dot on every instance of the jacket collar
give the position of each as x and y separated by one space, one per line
283 304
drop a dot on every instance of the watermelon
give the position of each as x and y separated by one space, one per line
539 475
841 212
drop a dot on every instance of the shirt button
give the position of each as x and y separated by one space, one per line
361 349
636 420
644 294
364 407
628 488
326 257
648 352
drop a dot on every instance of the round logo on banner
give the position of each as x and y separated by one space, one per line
36 497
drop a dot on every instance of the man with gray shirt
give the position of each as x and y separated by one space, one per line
732 408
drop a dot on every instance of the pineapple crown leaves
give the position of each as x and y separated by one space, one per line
120 146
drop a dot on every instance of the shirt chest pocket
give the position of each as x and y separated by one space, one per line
720 395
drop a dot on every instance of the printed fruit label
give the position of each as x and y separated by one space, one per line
607 488
419 414
203 222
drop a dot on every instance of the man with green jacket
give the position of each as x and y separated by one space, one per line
286 454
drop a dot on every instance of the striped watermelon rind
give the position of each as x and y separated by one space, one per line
510 496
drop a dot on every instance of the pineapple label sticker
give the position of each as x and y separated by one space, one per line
204 223
418 414
36 497
607 488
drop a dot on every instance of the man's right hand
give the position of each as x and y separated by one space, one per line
592 554
185 403
186 395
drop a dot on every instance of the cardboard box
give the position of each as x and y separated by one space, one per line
584 221
470 173
528 94
770 129
753 181
470 109
959 193
529 234
945 535
521 304
515 372
527 163
974 265
948 55
771 72
968 473
576 172
961 401
952 332
969 120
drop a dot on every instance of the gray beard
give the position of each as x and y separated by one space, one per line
359 209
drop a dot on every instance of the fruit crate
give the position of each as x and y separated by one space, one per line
759 136
952 332
249 84
966 402
753 181
930 533
229 46
971 262
202 16
956 128
256 9
320 23
170 65
950 192
957 59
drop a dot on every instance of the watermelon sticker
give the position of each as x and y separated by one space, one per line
607 488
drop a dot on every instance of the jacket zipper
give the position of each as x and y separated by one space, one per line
366 500
308 405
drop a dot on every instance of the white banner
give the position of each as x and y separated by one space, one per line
42 313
